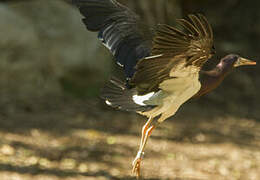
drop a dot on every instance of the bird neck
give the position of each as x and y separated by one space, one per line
211 79
219 72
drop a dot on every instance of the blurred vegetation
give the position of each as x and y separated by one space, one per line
53 124
46 51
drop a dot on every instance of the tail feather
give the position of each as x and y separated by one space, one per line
117 95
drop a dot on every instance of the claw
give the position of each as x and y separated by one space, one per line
136 167
137 164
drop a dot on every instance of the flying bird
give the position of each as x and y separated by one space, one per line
161 66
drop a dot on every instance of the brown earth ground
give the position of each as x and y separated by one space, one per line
73 139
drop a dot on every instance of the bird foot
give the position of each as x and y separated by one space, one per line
137 164
136 167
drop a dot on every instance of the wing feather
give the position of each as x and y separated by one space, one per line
177 48
119 29
198 24
188 27
207 26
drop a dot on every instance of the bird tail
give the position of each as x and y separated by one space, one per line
118 96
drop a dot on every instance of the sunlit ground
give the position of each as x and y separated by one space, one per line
83 140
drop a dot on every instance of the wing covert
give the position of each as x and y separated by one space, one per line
173 48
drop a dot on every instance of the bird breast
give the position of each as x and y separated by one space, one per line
176 91
183 84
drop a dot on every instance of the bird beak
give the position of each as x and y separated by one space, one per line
244 62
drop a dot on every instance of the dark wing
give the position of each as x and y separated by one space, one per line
119 30
171 47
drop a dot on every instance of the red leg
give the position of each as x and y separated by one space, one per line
146 132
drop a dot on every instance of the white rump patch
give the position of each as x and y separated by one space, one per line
108 102
155 56
140 99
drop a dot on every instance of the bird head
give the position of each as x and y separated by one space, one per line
232 61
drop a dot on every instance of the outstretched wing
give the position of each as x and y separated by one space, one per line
172 50
119 30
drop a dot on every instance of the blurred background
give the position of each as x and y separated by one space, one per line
53 124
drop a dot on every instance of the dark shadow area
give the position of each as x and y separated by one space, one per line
34 170
62 118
